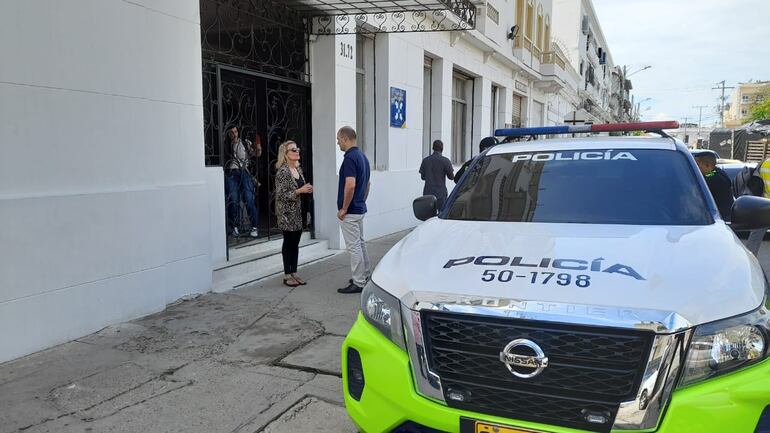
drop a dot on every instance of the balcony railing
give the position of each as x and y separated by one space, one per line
527 43
553 57
536 53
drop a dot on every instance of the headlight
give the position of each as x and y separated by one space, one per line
383 311
726 346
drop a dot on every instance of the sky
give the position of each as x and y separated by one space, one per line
691 45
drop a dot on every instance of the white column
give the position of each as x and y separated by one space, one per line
441 107
382 95
482 105
333 106
505 108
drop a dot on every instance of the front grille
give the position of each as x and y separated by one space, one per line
590 370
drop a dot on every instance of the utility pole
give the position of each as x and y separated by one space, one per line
700 113
686 141
700 117
722 100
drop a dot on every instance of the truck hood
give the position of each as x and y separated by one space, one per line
700 273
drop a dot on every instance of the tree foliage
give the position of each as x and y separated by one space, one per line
761 110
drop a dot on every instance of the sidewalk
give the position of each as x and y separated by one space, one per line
264 358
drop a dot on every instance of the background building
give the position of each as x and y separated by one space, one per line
743 97
112 195
603 88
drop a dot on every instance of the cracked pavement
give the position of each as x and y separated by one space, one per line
263 358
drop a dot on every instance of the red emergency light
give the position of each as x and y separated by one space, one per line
638 126
577 129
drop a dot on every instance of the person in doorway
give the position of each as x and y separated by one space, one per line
484 145
290 185
239 185
352 193
718 182
754 242
434 170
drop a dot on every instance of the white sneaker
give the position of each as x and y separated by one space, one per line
254 233
235 232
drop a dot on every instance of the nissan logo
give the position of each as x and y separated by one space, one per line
520 363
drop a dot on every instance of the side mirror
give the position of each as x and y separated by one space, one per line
750 213
425 207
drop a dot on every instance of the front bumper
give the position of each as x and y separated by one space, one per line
732 403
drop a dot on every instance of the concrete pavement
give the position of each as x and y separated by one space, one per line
264 358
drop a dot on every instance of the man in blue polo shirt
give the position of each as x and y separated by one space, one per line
351 202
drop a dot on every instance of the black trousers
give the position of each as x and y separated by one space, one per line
290 251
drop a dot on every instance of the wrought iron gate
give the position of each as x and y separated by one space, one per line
265 111
254 78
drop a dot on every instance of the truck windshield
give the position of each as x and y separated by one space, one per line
639 186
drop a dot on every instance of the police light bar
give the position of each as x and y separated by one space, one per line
575 129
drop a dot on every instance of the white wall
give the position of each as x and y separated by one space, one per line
103 196
333 106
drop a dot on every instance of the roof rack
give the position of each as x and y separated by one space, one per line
656 127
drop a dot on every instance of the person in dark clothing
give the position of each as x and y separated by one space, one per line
485 143
434 170
718 182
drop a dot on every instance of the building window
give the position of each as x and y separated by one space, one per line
539 40
745 99
493 13
519 20
462 89
530 20
744 112
427 98
516 117
365 114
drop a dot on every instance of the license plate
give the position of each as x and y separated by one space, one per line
472 426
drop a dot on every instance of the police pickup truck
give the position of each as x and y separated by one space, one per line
567 285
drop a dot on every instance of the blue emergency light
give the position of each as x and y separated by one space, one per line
575 129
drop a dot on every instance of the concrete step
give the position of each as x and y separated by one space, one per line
266 262
258 249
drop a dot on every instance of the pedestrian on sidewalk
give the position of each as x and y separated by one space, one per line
239 184
754 242
434 170
352 193
290 185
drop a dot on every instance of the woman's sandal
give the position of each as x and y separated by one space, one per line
298 280
286 282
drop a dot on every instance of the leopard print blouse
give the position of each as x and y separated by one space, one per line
288 205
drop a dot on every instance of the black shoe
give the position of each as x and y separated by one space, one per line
351 288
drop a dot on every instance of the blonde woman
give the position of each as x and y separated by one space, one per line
289 186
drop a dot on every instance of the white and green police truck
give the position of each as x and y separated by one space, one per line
567 285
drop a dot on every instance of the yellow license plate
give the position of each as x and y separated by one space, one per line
493 428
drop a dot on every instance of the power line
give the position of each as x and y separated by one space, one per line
722 101
700 112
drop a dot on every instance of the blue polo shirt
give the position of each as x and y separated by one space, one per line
355 165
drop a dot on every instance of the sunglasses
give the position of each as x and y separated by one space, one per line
292 150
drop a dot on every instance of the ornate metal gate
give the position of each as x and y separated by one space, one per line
254 78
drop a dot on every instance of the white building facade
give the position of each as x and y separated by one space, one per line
112 199
603 89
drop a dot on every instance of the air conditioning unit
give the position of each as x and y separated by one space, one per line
584 25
